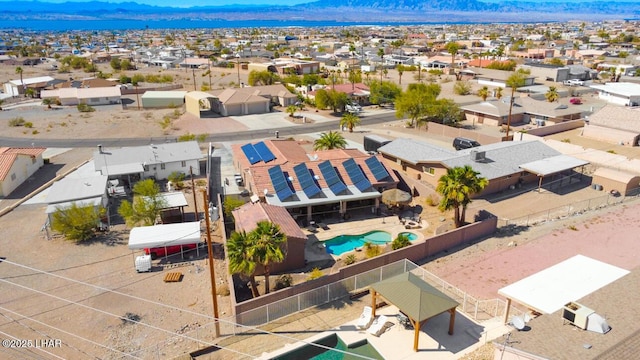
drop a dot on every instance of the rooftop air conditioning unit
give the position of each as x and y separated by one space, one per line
577 314
477 156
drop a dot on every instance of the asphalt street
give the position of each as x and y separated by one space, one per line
284 132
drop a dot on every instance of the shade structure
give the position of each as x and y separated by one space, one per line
394 197
416 298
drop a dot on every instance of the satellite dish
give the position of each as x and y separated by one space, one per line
518 322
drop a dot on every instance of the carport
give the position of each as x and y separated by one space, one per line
418 300
553 165
145 237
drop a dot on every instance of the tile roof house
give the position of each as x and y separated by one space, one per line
238 101
327 173
17 165
248 215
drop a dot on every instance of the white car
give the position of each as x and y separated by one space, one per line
353 108
574 82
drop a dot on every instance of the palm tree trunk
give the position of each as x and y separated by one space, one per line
254 286
463 215
266 279
456 216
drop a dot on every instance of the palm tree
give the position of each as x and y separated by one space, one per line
20 71
516 80
452 48
330 140
498 93
48 102
267 247
552 94
350 121
456 188
400 69
484 93
239 245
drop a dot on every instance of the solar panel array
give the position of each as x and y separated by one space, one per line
331 177
258 152
264 151
378 170
357 176
307 183
251 153
279 182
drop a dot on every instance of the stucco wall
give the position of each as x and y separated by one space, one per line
415 253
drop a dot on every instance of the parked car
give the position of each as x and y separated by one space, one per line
170 250
574 82
353 108
461 143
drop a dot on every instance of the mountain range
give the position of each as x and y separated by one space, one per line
437 11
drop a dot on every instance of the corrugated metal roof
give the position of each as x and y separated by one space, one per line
413 296
164 235
553 165
70 189
148 154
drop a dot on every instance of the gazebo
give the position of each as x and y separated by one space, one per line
416 299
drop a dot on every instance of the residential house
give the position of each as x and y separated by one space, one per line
238 101
17 165
153 161
619 93
614 124
16 88
505 164
90 96
248 215
285 66
309 184
494 112
498 78
357 92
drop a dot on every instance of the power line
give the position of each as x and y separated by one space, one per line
122 317
162 305
58 329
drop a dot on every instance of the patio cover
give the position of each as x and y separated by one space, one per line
550 289
553 165
416 299
164 235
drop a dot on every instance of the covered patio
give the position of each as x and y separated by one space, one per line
415 298
552 166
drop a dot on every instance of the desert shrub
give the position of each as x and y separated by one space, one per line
462 88
186 137
575 101
372 250
28 124
82 107
400 241
201 138
572 227
611 151
350 259
177 179
432 200
315 273
35 132
18 121
565 140
223 290
283 281
201 182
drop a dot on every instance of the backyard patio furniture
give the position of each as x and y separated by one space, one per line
379 325
365 318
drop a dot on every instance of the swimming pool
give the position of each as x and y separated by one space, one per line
333 341
345 243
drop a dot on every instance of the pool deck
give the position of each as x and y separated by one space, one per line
397 342
315 251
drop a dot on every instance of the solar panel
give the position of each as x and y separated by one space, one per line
306 181
251 153
331 177
378 170
264 152
279 182
355 173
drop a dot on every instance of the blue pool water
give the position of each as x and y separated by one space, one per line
345 243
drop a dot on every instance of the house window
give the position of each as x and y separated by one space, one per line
183 164
428 170
162 166
146 168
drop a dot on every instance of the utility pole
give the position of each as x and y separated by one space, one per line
195 88
193 187
214 294
238 66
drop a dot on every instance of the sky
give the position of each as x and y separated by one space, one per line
187 3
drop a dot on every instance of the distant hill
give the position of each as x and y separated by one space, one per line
436 11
